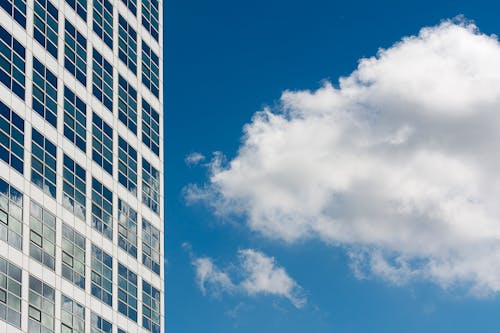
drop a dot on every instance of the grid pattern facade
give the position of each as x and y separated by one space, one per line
42 235
75 52
41 306
102 143
11 215
127 104
44 92
45 25
43 163
81 176
102 209
102 275
17 9
75 119
12 63
11 138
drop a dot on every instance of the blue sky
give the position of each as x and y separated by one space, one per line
226 60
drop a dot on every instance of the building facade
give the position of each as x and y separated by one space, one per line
81 166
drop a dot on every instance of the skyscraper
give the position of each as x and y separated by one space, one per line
81 166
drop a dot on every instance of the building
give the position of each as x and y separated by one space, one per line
81 166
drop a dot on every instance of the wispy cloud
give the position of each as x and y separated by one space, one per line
254 274
211 278
194 159
398 163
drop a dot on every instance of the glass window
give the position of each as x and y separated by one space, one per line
73 256
127 44
102 143
11 215
102 80
150 19
103 21
10 292
12 63
80 7
121 331
43 163
150 186
72 316
75 119
150 307
45 25
150 246
150 69
42 235
41 310
127 104
127 292
44 92
11 138
75 52
150 127
99 325
16 9
132 6
102 275
102 209
127 228
74 192
127 165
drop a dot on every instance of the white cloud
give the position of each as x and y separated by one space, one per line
210 277
256 274
263 276
399 164
194 158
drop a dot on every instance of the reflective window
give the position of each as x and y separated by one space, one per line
102 209
72 316
127 228
11 215
75 178
150 186
75 118
102 80
127 292
150 127
127 104
75 52
12 63
44 92
10 292
102 275
45 25
41 308
127 165
11 138
80 7
150 246
132 5
42 235
99 325
150 69
150 19
43 163
73 256
150 307
103 21
16 9
127 44
102 143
